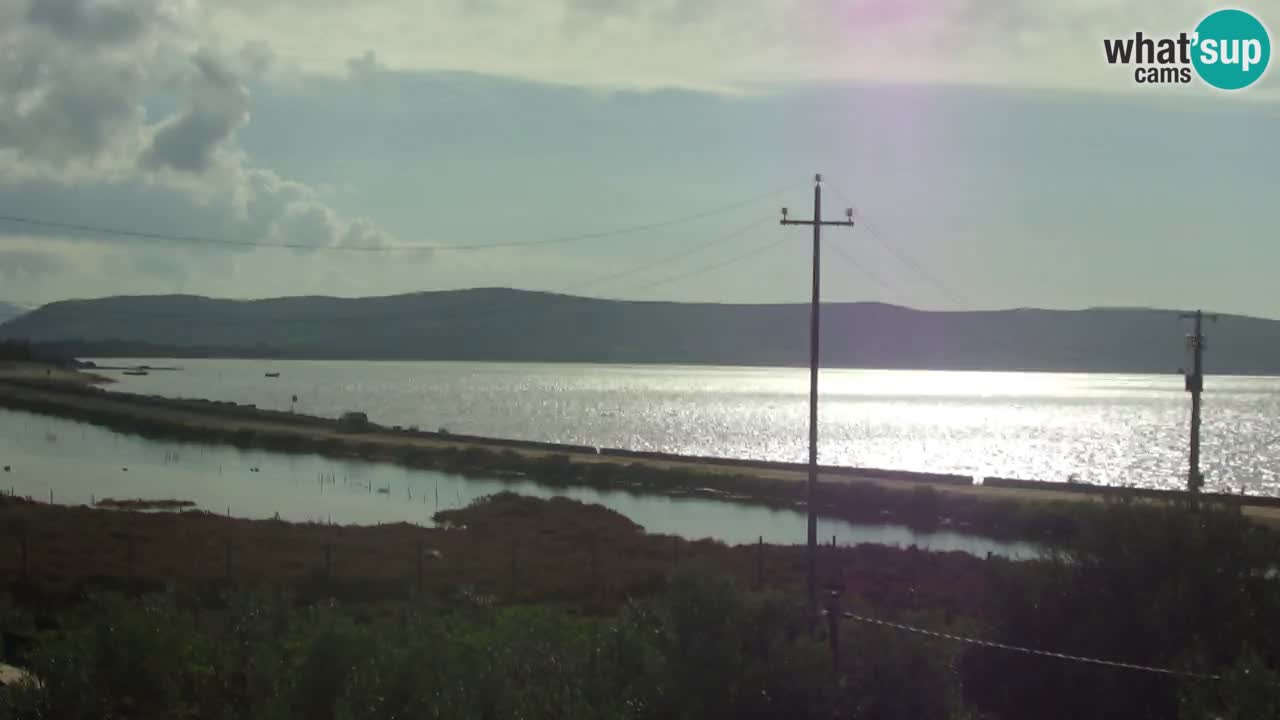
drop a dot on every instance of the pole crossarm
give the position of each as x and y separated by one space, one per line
842 223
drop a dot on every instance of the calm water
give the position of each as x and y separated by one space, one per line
80 463
1112 429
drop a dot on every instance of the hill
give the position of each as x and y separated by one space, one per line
512 325
9 311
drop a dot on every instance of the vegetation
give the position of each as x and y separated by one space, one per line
508 548
1176 586
15 351
141 504
1171 585
704 648
21 351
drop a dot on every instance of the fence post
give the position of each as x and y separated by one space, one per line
760 562
278 621
22 542
328 560
833 627
514 547
419 566
595 565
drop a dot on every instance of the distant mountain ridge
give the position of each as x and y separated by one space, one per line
497 324
9 311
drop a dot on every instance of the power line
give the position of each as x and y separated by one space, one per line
504 309
472 315
861 268
912 264
899 253
199 239
670 258
1028 651
235 242
703 269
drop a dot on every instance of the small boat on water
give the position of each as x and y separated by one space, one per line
135 372
273 374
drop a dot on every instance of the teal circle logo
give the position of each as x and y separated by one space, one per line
1232 49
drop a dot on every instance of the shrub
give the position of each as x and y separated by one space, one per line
1169 585
703 648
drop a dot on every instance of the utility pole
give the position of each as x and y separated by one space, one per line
814 323
1195 385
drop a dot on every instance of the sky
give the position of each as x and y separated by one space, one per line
993 157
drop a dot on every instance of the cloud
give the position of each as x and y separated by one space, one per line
217 106
59 108
710 45
166 269
366 69
94 23
125 113
27 264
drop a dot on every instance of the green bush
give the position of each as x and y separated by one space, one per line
1248 690
704 648
1169 585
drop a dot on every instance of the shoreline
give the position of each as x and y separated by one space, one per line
69 376
177 353
1003 509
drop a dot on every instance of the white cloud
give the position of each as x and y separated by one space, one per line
217 105
723 45
78 143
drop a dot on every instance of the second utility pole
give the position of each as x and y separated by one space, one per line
1195 385
810 499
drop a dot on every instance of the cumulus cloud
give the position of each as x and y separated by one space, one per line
59 108
92 23
82 138
217 106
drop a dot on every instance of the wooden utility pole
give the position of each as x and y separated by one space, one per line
814 326
1195 385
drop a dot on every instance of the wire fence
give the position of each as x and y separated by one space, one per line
1024 650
